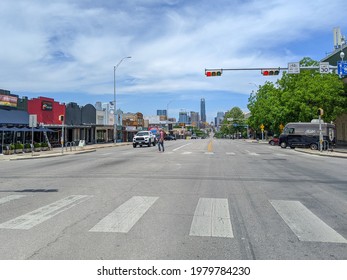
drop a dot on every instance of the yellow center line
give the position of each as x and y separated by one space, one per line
210 146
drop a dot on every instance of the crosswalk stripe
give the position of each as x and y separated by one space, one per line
11 197
44 213
251 153
125 216
305 225
211 218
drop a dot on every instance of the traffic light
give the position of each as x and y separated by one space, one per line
270 72
320 112
61 118
214 73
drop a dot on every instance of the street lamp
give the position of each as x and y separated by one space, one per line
114 98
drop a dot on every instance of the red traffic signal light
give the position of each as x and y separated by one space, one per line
270 72
213 73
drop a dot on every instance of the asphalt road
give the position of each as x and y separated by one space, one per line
200 199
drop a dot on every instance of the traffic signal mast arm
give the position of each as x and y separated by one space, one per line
212 72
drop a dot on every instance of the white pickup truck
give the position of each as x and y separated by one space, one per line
144 138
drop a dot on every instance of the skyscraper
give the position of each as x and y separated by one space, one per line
202 110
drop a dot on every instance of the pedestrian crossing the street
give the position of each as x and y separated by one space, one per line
211 217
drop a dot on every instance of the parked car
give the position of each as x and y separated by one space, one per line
169 137
274 141
193 137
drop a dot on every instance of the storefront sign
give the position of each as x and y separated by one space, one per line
47 106
8 100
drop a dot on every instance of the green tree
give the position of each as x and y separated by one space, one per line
297 97
230 127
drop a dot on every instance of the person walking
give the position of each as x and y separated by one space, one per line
161 140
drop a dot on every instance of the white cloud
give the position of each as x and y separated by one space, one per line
72 46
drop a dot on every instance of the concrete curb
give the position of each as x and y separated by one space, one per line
52 155
57 152
323 154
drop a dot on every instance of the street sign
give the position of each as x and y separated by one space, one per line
342 68
324 67
262 127
293 68
32 120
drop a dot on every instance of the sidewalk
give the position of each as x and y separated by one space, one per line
339 151
56 152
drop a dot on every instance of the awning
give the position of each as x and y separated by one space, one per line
9 129
14 117
25 129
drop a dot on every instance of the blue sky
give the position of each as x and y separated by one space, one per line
66 49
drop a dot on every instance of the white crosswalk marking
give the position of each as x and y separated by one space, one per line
251 153
305 225
211 218
125 216
44 213
11 197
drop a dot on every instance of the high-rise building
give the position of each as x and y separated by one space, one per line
183 117
194 118
162 113
219 118
202 110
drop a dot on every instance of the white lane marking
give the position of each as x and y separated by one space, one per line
174 150
211 218
230 153
11 197
125 216
251 153
186 153
305 225
44 213
209 153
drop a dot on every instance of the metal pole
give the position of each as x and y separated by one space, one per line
2 141
114 106
114 99
62 135
32 139
320 134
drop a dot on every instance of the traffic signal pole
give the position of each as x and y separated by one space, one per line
209 71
